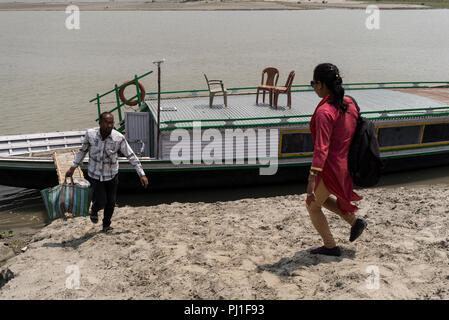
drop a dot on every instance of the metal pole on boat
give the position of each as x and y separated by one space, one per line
158 62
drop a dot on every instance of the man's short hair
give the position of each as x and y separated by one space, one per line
104 114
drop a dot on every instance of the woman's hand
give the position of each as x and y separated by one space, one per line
311 186
310 189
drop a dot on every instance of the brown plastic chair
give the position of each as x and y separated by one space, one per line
214 91
287 90
272 80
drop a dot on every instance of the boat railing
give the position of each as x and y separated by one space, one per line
307 87
118 102
252 90
305 118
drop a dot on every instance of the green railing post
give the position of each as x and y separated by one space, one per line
117 97
137 89
98 105
119 110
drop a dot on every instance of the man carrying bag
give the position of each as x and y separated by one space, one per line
103 144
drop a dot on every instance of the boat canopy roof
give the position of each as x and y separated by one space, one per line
243 111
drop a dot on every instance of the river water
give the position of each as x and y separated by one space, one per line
49 73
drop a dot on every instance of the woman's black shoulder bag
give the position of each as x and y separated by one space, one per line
364 163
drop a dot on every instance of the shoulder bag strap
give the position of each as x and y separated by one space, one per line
355 103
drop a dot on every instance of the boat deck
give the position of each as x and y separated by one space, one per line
440 94
242 109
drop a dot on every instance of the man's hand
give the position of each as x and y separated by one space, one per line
70 172
144 181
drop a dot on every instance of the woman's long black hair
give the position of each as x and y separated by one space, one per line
328 74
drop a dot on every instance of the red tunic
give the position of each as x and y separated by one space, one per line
332 132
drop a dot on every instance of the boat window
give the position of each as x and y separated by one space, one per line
297 142
436 132
398 136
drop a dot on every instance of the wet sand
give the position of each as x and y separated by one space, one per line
248 248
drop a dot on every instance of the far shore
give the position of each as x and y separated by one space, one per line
211 5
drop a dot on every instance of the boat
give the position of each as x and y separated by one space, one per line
183 142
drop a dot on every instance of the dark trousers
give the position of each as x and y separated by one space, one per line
104 197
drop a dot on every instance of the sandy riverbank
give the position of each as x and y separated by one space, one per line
243 249
202 5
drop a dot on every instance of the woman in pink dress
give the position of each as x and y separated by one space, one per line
332 128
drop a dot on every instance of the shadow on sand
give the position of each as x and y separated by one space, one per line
302 259
209 195
75 243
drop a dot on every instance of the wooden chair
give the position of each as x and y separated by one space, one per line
272 80
214 91
287 90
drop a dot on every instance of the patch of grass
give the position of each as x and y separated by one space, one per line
16 240
6 234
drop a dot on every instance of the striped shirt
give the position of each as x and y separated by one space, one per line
103 158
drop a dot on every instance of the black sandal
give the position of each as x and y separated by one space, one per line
108 229
357 229
94 218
